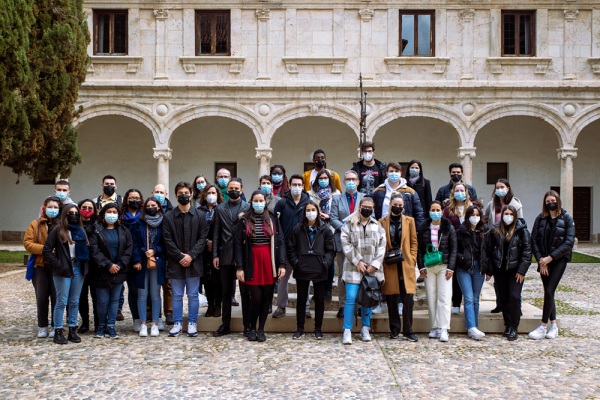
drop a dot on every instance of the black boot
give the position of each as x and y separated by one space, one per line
85 327
506 331
512 334
210 311
59 338
73 335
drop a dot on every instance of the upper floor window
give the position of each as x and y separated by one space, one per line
518 33
417 33
213 33
110 32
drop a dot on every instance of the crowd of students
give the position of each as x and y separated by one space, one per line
373 222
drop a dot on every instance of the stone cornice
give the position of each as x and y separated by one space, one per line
395 63
337 63
133 63
541 63
189 63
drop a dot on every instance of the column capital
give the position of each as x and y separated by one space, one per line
565 153
366 14
161 14
263 13
162 154
467 15
570 15
466 151
264 154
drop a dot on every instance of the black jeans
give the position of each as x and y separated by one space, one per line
260 297
44 291
227 273
510 296
302 292
408 303
456 291
84 305
556 269
212 285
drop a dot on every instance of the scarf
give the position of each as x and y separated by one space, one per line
128 218
154 222
324 195
223 192
413 180
81 248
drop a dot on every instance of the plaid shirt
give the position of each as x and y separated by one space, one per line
366 245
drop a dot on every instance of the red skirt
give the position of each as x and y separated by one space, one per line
263 271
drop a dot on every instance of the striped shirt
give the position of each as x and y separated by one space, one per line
435 229
260 237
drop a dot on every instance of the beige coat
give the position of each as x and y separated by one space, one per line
31 242
409 247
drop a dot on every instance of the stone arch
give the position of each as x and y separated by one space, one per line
589 115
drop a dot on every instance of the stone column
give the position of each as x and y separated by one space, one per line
163 156
566 157
467 17
569 45
264 161
160 72
366 63
466 156
263 16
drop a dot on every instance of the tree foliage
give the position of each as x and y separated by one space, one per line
43 61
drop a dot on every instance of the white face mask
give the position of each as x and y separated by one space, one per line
474 219
311 215
367 156
508 219
296 190
211 198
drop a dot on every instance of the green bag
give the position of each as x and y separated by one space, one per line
433 258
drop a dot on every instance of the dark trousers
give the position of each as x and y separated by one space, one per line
330 276
456 292
167 298
556 269
84 305
510 296
260 297
45 293
227 275
408 303
212 286
302 291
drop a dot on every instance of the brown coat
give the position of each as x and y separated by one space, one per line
32 244
409 247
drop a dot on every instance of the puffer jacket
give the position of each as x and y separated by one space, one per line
464 238
446 243
412 203
519 250
311 261
100 252
563 237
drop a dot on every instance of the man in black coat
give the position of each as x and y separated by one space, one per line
456 175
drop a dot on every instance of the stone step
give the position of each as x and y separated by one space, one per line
333 304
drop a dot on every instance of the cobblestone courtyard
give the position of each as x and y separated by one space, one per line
231 367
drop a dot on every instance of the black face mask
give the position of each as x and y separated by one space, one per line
552 206
183 199
134 204
152 211
320 163
456 177
365 212
233 194
396 210
73 219
108 190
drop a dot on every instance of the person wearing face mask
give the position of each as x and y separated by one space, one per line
289 211
109 195
400 280
371 172
148 242
111 246
88 211
342 206
265 183
311 250
160 192
320 164
185 232
222 182
258 238
35 237
210 198
416 181
225 218
472 264
67 253
552 241
456 175
200 182
437 232
62 190
508 247
363 242
280 180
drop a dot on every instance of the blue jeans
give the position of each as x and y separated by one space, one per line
150 286
365 313
67 294
470 283
108 304
191 285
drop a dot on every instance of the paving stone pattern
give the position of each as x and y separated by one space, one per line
231 367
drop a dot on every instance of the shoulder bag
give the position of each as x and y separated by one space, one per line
369 292
393 256
433 257
151 261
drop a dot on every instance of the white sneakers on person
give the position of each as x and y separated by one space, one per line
192 330
553 332
51 332
538 333
400 307
176 330
364 334
475 333
143 330
455 310
434 334
137 325
443 335
43 333
377 310
154 330
161 327
347 339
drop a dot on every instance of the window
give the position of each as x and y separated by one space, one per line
417 33
496 171
110 32
309 166
230 166
518 33
42 176
212 33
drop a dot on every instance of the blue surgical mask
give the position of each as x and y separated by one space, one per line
62 195
414 172
266 189
201 186
501 192
394 176
258 206
460 196
436 216
111 218
277 178
51 212
323 183
160 197
223 182
351 186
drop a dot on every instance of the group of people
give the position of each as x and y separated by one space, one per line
372 222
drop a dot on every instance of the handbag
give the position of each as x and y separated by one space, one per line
393 256
433 257
151 262
32 257
369 292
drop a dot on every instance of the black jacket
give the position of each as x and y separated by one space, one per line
444 192
118 202
100 277
365 186
242 248
464 238
167 206
289 213
563 237
447 243
311 261
189 237
519 250
424 193
223 224
58 256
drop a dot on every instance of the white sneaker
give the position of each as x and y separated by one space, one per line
553 332
364 334
192 330
455 310
443 335
475 333
137 325
43 332
434 334
347 339
51 332
384 308
400 307
377 310
161 327
143 330
176 330
538 333
154 330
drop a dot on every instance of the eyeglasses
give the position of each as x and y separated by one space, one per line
86 208
134 198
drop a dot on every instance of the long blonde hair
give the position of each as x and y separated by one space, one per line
355 216
453 205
